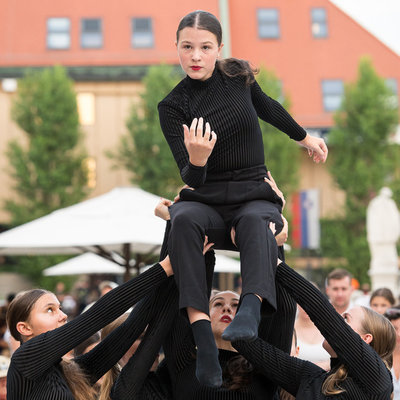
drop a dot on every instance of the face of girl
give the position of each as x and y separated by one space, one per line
222 311
198 51
354 318
380 304
45 316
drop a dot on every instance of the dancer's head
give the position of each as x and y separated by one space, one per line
223 306
375 330
199 42
34 312
393 315
381 299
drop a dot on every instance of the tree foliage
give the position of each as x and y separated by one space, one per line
144 152
362 161
47 169
282 155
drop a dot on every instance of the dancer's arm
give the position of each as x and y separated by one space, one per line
279 367
363 363
35 356
172 120
273 112
111 349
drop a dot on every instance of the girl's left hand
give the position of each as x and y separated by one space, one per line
316 147
270 180
161 209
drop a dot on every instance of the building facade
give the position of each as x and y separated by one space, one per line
313 47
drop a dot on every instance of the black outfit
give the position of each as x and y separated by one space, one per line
35 372
368 377
230 189
169 327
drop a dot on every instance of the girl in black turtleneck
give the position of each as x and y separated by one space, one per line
231 189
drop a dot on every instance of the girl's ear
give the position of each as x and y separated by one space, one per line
368 338
24 329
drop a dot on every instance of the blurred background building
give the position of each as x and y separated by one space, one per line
314 47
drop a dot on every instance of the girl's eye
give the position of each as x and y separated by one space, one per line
186 46
235 305
206 47
49 309
218 304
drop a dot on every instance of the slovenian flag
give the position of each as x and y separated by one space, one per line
305 221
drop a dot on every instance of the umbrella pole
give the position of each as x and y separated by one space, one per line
126 251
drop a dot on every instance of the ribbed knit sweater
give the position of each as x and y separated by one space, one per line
232 108
35 372
368 378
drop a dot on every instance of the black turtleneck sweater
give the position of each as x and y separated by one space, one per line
35 372
232 108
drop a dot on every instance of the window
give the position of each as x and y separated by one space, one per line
332 92
91 33
86 108
268 23
58 35
142 33
391 83
319 25
91 170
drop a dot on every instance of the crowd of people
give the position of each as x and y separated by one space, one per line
215 345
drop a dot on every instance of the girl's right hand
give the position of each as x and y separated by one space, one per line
199 145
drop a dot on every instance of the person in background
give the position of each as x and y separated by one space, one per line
381 299
393 315
310 341
4 365
339 289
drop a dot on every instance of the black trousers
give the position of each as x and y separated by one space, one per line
191 221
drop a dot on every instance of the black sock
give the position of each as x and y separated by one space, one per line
208 370
245 324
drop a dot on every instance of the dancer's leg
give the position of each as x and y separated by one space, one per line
190 223
258 256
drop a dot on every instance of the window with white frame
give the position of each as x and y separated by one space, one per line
319 23
91 33
142 33
268 23
58 33
332 94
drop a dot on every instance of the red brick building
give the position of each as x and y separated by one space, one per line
312 45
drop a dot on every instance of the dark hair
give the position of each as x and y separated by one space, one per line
238 373
338 273
20 309
384 292
393 313
231 67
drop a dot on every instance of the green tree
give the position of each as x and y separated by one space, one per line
48 168
144 152
361 163
282 155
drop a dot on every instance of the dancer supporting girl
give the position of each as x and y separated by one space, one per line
37 369
360 342
222 98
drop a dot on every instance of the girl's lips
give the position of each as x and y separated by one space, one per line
195 68
226 318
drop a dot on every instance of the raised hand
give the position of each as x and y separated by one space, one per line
199 143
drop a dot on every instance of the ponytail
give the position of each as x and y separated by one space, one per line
234 67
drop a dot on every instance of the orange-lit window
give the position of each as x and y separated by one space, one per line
86 108
91 169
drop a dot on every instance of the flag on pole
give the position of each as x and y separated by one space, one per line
305 222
